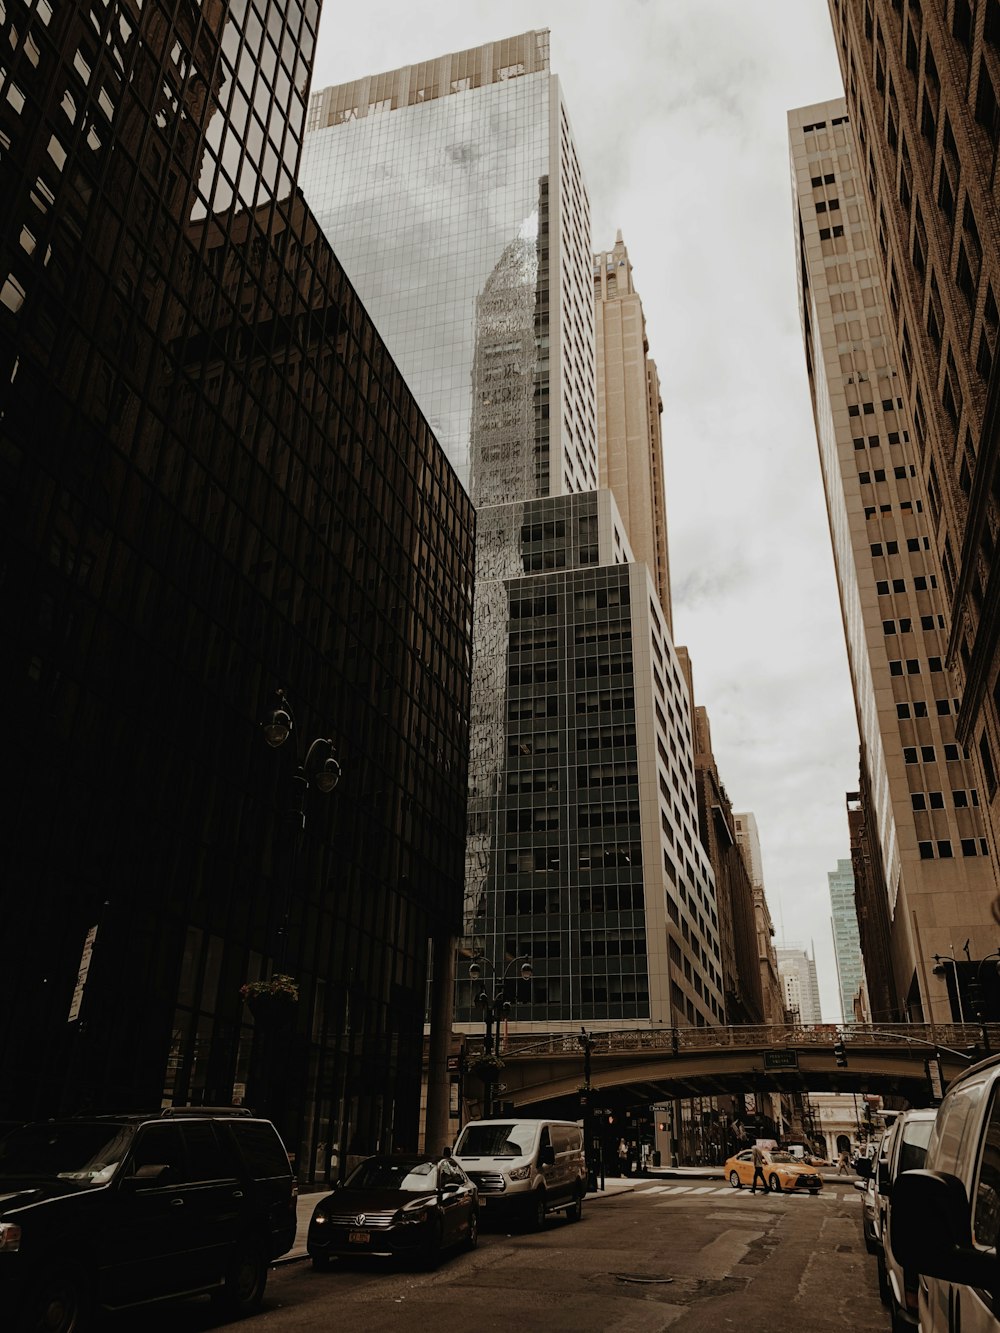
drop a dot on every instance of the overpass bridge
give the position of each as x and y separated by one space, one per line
650 1065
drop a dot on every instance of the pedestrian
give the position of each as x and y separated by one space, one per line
758 1159
843 1164
622 1157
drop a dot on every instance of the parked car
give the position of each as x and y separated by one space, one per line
781 1171
869 1226
906 1149
946 1223
108 1212
525 1169
399 1205
814 1159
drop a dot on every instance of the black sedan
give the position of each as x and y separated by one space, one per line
416 1206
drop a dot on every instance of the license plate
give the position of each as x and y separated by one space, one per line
482 1201
359 1237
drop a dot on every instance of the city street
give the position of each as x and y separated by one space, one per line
691 1255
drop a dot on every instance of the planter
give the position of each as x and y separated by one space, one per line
487 1071
273 1006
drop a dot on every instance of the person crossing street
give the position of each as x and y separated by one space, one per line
758 1160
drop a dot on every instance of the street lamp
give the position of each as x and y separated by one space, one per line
495 1007
939 971
318 767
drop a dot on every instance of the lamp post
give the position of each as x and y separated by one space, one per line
586 1041
939 971
495 1007
317 766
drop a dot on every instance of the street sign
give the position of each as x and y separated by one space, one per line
81 976
781 1059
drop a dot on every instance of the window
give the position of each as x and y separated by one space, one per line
935 800
909 754
944 848
902 710
927 754
926 850
969 847
917 800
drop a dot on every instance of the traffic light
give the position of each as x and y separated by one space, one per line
840 1052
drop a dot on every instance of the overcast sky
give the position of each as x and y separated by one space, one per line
678 109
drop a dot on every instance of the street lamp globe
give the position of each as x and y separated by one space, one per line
329 774
277 727
527 972
475 971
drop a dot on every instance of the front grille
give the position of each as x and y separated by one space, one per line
376 1221
490 1182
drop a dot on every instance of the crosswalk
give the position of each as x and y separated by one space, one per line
664 1191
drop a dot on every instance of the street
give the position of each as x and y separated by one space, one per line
694 1256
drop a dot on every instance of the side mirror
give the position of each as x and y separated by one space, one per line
932 1230
153 1174
863 1167
861 1185
547 1156
451 1187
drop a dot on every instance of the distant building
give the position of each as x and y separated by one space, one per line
772 994
799 983
846 940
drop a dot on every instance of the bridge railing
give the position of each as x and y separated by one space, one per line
919 1037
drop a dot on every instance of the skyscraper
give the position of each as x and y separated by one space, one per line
630 445
748 841
921 792
922 79
797 969
215 482
846 939
453 192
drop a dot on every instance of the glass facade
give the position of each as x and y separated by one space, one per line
846 937
454 198
214 481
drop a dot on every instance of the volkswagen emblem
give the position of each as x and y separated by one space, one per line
359 1221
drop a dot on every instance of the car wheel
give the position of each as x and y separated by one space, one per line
434 1244
537 1214
734 1180
774 1184
575 1211
814 1193
472 1237
321 1263
246 1277
60 1302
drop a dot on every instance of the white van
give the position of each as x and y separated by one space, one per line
525 1168
946 1216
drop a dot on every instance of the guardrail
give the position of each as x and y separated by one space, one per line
918 1036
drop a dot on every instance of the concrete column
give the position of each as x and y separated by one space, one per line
437 1133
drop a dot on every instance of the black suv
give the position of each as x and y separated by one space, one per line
112 1211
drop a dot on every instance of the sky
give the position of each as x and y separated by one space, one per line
678 109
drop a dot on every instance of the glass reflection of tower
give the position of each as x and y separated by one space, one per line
453 194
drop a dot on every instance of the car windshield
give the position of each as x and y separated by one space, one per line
782 1157
378 1173
495 1141
913 1149
82 1153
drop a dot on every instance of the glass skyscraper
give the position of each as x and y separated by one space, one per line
453 193
214 482
846 937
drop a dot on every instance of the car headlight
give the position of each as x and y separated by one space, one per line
520 1173
412 1215
319 1219
10 1236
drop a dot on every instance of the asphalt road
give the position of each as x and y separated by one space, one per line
692 1256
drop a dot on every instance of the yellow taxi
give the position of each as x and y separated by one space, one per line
782 1171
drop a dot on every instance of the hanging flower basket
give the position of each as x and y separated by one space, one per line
486 1067
274 996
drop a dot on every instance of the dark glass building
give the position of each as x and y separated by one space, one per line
214 483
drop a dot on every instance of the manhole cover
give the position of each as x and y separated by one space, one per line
639 1280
